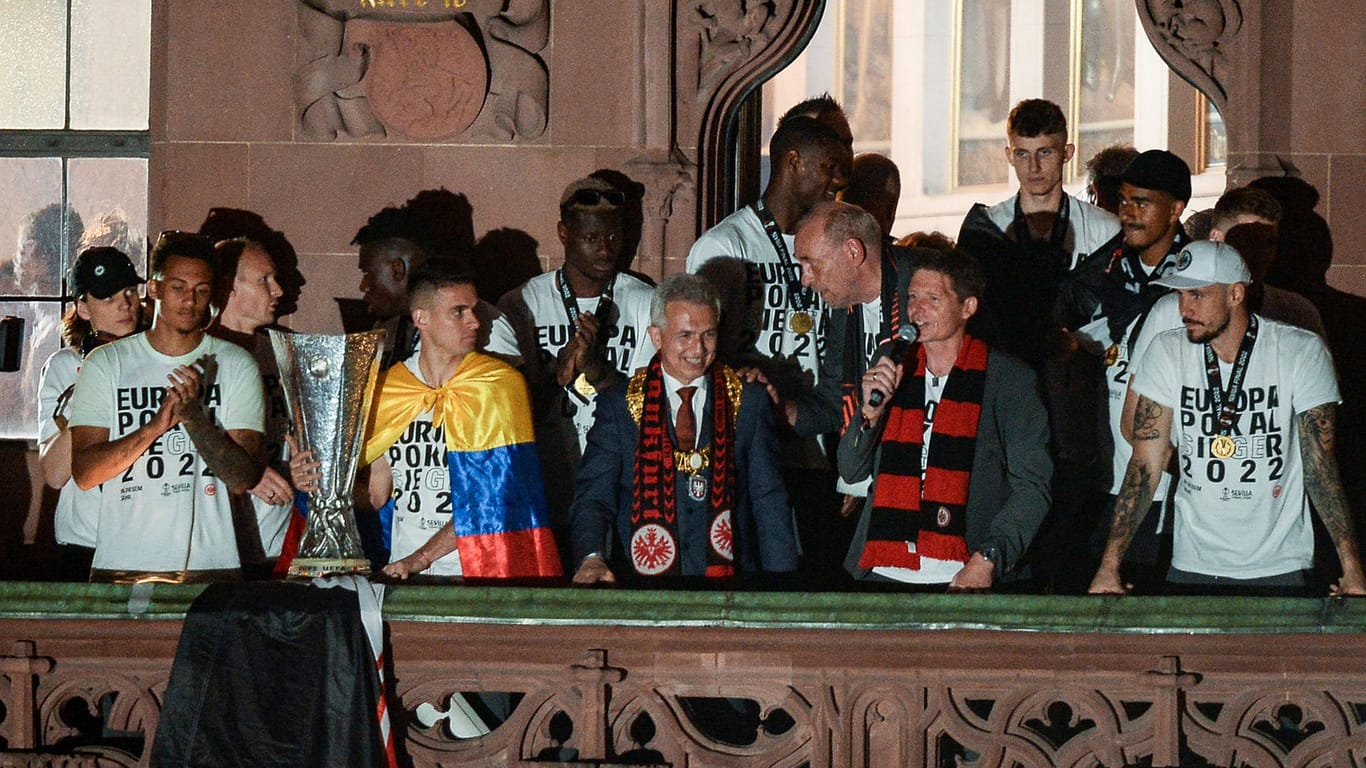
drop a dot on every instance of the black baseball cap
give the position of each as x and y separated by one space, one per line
102 272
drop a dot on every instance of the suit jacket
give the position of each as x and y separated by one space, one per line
1009 492
843 361
765 537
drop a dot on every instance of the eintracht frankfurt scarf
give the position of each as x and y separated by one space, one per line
927 505
654 547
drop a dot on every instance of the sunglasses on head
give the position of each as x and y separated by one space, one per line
182 236
595 196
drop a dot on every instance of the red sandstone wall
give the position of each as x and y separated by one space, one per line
226 132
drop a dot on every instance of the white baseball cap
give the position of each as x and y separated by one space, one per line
1205 262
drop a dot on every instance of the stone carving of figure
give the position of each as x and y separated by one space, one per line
1197 29
732 32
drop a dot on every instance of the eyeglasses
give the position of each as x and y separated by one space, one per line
592 197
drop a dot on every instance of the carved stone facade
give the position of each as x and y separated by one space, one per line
423 72
718 679
1193 38
346 106
732 46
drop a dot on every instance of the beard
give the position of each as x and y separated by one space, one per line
1204 334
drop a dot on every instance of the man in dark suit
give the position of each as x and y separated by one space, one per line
681 462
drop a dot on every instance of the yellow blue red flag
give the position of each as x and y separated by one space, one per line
497 498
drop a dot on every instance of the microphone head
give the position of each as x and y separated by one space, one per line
908 333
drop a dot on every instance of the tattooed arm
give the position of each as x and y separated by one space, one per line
231 454
1151 432
1324 486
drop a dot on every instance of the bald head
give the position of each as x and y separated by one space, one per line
839 247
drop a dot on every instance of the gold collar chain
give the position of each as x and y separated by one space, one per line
693 462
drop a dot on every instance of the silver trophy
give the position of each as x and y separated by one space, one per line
328 382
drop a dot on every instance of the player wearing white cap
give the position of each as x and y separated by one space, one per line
1249 404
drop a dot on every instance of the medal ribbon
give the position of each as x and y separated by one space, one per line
1222 402
571 304
797 296
571 311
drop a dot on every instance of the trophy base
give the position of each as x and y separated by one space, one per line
314 567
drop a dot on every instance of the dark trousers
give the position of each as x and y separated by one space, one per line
824 536
73 562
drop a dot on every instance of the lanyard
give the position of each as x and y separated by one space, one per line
797 296
1223 402
571 305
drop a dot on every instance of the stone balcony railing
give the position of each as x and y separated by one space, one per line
756 679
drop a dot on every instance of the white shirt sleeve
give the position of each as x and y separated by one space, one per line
1158 379
240 380
1164 316
59 372
1315 379
92 400
710 245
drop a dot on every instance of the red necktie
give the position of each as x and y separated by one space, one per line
686 424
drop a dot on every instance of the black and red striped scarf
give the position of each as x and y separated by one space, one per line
927 505
654 506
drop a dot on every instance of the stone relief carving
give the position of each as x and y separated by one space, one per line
426 81
876 720
740 43
423 71
1193 35
733 31
771 712
667 176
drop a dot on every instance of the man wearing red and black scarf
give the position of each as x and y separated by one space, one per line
681 462
956 444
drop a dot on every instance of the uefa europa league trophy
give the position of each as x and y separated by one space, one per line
328 383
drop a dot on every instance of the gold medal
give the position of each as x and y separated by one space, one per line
1221 447
584 387
1111 355
801 322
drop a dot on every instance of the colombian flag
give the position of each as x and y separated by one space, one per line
497 497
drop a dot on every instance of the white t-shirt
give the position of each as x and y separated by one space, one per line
272 520
628 344
741 236
1164 316
932 570
496 334
166 512
1088 226
1246 516
422 488
78 512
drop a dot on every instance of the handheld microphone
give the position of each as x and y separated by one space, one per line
894 349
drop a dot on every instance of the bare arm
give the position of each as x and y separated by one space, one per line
231 454
54 456
1151 429
442 543
379 483
95 458
1323 483
1126 419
